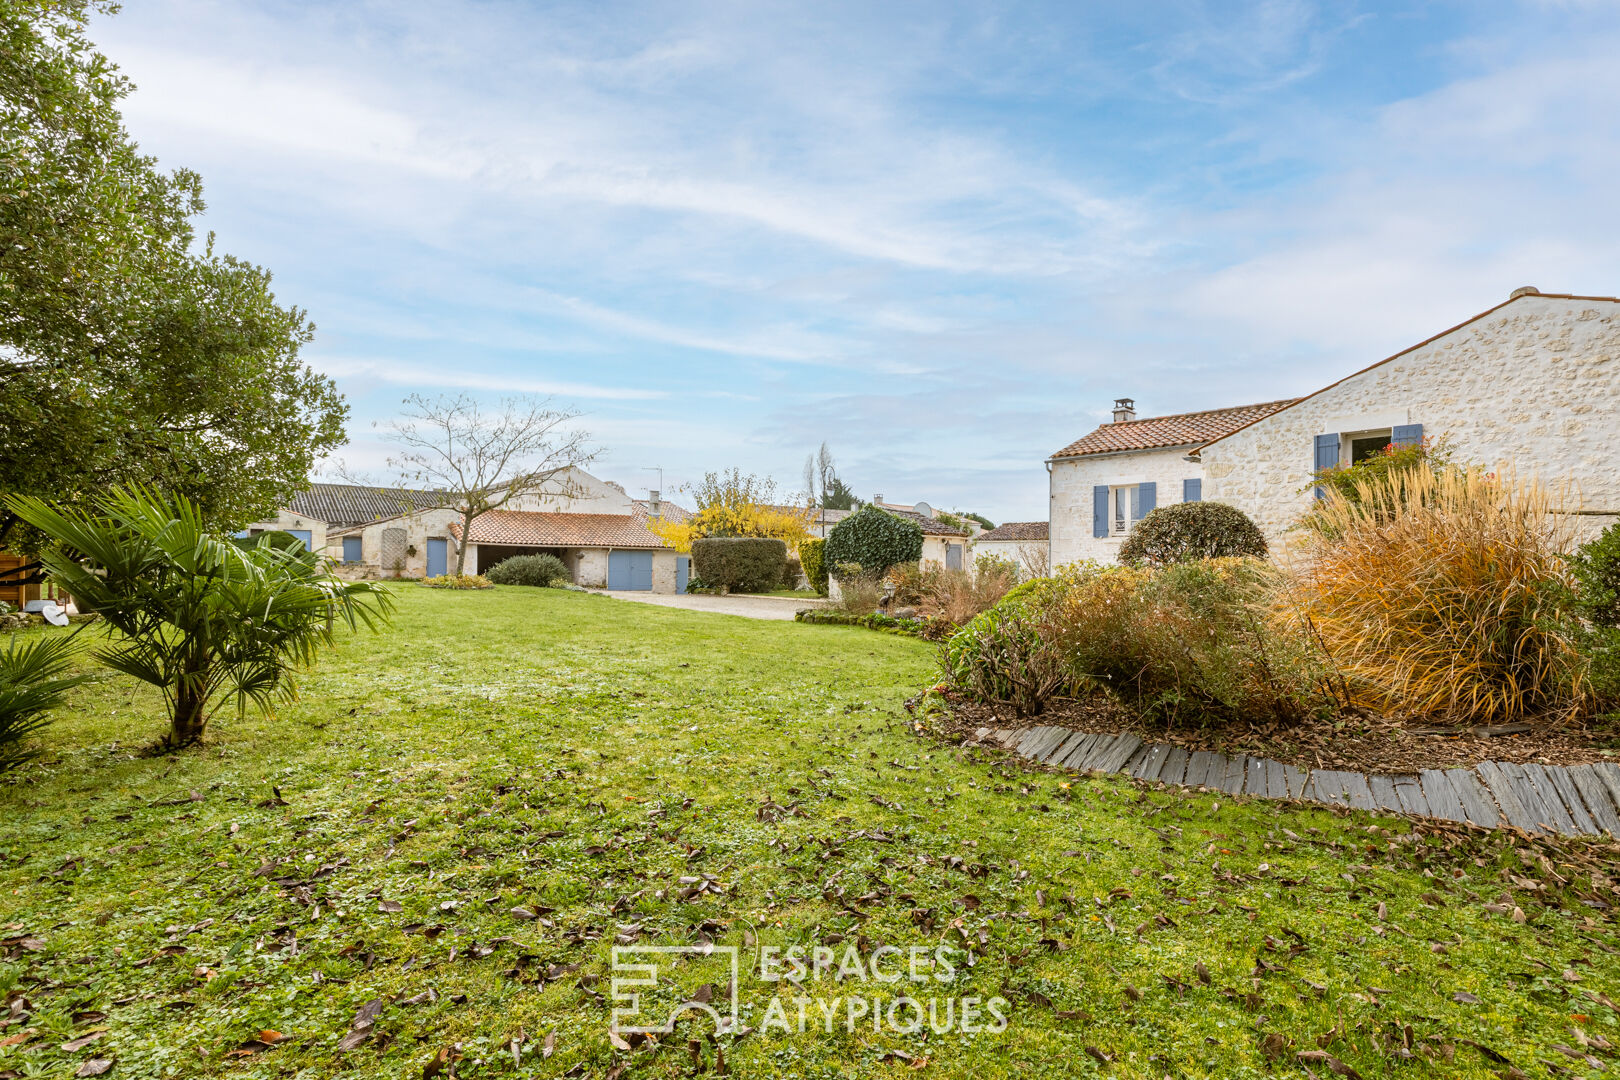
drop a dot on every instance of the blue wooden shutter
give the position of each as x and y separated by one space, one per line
351 549
1192 490
1406 435
1327 455
1148 498
1099 510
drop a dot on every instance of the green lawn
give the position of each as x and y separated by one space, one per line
633 774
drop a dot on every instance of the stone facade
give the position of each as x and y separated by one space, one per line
1072 481
287 521
1532 384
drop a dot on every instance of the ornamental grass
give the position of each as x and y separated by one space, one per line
1446 593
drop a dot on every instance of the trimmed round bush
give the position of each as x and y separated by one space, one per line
541 571
740 563
874 540
812 558
1183 532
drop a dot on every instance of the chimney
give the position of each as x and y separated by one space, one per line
654 507
877 499
1124 409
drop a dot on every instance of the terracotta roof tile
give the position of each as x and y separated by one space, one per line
1182 429
1016 530
930 526
523 528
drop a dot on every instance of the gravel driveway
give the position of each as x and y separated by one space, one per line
749 607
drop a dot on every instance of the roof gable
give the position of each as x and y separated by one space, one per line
1518 294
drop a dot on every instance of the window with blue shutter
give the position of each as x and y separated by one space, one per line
1147 498
351 549
1406 435
1327 455
1192 490
1099 510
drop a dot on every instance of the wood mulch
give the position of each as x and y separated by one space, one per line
1360 743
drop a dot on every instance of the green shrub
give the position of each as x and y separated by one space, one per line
875 540
541 571
458 581
1184 531
791 569
739 563
33 681
1596 566
812 560
1191 641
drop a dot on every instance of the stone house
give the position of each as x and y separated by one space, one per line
1532 384
1025 543
1103 483
592 525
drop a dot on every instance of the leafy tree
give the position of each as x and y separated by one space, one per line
874 540
984 522
822 484
734 504
125 356
190 612
480 461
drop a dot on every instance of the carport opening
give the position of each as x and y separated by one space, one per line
492 555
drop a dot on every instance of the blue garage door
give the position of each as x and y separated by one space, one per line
630 570
306 536
683 571
438 558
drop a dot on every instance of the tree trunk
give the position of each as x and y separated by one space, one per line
190 704
190 717
461 548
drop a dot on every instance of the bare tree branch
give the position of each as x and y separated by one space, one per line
480 460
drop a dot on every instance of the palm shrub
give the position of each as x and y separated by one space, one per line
205 621
1185 531
542 570
33 680
1445 592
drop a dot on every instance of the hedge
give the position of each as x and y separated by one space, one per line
812 561
874 540
740 563
874 621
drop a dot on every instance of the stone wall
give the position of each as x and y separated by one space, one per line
1533 384
1072 481
397 547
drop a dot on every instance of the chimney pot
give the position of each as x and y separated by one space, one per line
877 498
1124 409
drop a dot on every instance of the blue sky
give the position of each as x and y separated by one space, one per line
941 237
